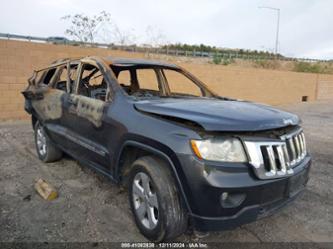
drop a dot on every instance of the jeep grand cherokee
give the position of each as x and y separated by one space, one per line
188 156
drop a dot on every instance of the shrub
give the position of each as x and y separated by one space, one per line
226 62
267 64
217 59
308 67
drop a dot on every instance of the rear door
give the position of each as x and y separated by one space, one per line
47 103
62 83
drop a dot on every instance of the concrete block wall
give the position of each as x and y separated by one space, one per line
18 59
325 87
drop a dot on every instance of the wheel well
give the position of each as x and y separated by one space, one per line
129 154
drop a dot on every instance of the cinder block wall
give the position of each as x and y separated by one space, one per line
261 85
18 59
325 87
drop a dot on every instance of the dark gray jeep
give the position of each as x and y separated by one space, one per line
189 157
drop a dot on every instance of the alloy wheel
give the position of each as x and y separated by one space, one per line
145 200
41 141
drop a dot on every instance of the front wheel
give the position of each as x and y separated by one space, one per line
46 150
154 200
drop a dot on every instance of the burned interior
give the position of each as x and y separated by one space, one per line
138 80
146 80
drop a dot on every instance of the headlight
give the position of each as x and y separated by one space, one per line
219 149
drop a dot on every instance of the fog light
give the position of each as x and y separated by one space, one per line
229 200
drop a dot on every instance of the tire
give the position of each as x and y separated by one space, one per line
46 150
167 218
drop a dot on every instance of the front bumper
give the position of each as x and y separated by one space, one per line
263 197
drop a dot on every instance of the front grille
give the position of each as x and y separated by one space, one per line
274 159
295 146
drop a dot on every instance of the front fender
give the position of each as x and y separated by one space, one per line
163 152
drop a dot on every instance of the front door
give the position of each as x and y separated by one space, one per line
84 116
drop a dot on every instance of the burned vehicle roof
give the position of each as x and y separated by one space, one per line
133 61
118 61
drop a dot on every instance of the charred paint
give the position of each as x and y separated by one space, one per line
88 108
48 102
50 106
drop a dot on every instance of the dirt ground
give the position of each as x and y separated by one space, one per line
91 208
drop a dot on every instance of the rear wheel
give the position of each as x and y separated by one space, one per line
46 150
154 200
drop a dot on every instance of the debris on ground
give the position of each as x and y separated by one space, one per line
45 190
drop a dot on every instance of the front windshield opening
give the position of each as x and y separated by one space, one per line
156 81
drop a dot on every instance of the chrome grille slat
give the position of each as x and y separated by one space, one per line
294 139
301 144
282 155
286 155
298 148
293 150
281 159
300 137
271 160
304 143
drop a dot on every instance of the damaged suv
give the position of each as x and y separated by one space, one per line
189 157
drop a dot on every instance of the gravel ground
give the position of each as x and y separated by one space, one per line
91 208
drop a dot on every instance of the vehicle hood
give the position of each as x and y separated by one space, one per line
220 115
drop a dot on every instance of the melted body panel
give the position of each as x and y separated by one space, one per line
50 107
90 109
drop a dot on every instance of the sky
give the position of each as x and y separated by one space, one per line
305 25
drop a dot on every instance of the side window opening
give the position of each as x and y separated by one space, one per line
61 83
63 74
150 81
147 79
72 76
48 76
138 81
91 83
124 78
179 84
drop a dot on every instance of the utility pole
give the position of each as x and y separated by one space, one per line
277 27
